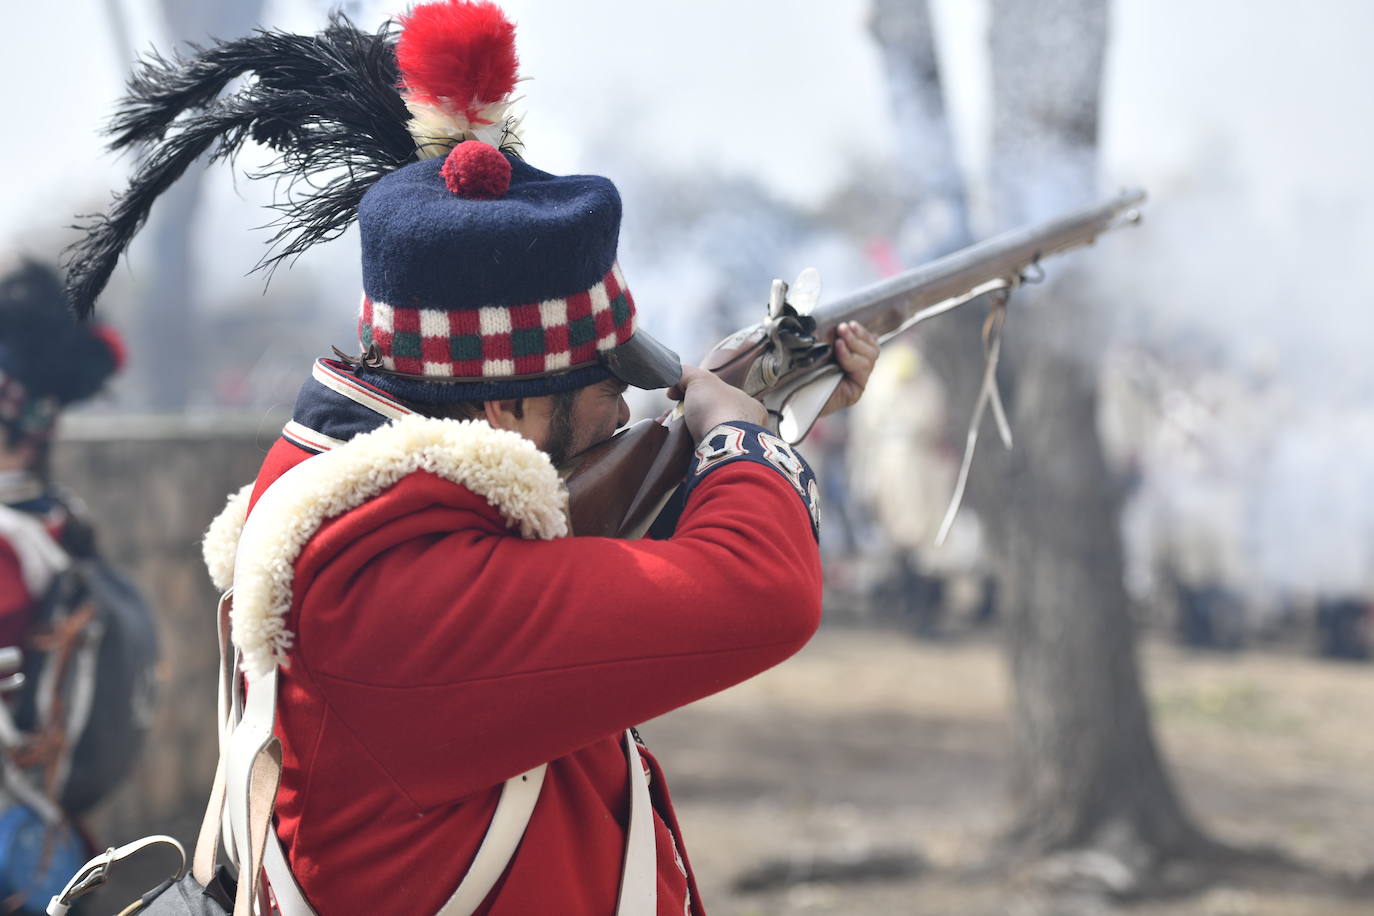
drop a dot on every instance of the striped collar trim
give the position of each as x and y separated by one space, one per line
334 406
326 373
309 439
18 487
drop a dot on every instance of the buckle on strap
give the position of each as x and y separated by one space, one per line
96 871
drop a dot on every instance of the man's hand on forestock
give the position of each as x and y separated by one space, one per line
856 351
708 401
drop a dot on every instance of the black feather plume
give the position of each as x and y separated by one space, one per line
327 104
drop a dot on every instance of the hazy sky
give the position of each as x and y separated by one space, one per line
1247 123
785 96
791 91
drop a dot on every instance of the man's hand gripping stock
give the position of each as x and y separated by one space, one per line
708 401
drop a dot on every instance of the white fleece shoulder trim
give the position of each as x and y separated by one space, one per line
221 539
502 467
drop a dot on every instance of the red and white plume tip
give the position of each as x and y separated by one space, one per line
458 69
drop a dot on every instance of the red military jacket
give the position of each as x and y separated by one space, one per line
440 635
16 600
31 527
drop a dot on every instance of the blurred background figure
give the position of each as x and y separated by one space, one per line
76 641
902 472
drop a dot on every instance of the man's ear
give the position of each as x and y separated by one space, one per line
505 414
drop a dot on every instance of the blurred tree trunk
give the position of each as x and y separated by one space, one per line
1087 771
932 184
167 335
931 180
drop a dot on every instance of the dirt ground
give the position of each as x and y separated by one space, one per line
867 775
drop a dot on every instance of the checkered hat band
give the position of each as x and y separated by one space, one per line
501 341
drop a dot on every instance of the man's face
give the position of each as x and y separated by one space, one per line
569 424
20 457
594 415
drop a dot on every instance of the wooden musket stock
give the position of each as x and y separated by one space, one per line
617 488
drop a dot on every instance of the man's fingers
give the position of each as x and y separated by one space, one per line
859 339
856 350
689 374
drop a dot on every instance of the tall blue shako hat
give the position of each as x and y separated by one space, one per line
483 277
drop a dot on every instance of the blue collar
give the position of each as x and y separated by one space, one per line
334 405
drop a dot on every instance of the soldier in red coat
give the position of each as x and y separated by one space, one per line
458 674
47 362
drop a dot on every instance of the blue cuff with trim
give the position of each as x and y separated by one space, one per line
731 442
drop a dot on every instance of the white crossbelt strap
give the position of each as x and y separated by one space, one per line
639 882
40 557
251 736
508 824
288 894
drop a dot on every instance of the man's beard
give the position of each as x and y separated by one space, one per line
559 444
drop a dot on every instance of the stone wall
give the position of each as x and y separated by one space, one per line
152 485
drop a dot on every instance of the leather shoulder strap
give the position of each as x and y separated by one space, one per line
639 880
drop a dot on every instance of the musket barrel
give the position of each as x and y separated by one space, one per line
617 488
885 305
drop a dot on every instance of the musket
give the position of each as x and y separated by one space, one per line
617 488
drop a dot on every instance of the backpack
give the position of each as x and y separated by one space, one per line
78 704
89 682
110 688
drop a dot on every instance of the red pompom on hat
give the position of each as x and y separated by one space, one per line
477 171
